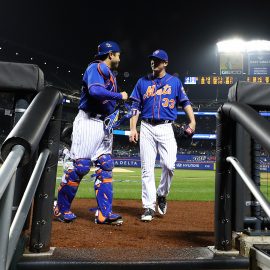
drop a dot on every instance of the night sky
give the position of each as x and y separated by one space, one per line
71 30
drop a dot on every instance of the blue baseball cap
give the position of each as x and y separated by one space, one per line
160 54
106 47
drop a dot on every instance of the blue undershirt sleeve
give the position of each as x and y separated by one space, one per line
100 93
185 103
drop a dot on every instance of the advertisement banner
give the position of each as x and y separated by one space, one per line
194 165
122 162
187 162
259 64
265 167
185 165
231 63
196 158
265 164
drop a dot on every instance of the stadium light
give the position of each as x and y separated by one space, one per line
231 45
258 45
239 45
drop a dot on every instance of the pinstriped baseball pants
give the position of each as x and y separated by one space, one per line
156 139
88 138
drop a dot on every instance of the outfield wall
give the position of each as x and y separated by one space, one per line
192 162
185 162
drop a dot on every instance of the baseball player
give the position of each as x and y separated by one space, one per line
91 143
156 97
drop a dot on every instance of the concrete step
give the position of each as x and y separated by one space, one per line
116 258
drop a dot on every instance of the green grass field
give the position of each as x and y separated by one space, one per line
187 185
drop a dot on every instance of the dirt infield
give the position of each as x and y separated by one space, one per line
186 224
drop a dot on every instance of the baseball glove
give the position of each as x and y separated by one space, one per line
182 131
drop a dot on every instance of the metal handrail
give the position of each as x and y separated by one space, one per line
250 184
7 180
9 235
25 204
10 166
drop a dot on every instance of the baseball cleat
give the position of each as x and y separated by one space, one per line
162 204
116 222
63 217
148 215
113 219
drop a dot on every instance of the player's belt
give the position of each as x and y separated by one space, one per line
156 121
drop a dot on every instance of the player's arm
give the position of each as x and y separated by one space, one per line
94 79
190 114
135 108
134 136
186 105
100 93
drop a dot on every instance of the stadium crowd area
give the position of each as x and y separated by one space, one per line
123 148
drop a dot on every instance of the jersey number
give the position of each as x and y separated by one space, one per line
168 102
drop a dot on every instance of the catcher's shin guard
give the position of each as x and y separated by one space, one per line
104 191
70 183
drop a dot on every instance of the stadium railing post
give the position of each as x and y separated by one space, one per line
43 204
223 186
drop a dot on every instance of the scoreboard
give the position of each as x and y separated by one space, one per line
215 80
224 80
258 79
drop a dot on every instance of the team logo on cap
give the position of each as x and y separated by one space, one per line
108 45
156 52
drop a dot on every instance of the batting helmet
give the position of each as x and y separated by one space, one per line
106 47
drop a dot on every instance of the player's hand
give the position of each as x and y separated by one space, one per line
133 136
192 125
124 95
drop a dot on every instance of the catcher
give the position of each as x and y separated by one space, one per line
92 137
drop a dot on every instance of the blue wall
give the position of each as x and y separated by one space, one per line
192 162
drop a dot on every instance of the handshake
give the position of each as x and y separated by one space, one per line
182 131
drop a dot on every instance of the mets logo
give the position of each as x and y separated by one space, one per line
150 91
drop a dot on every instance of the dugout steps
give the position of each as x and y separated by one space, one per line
117 258
38 132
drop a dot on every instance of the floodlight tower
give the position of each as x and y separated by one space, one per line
231 56
258 53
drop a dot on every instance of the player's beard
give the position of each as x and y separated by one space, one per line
114 65
156 67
